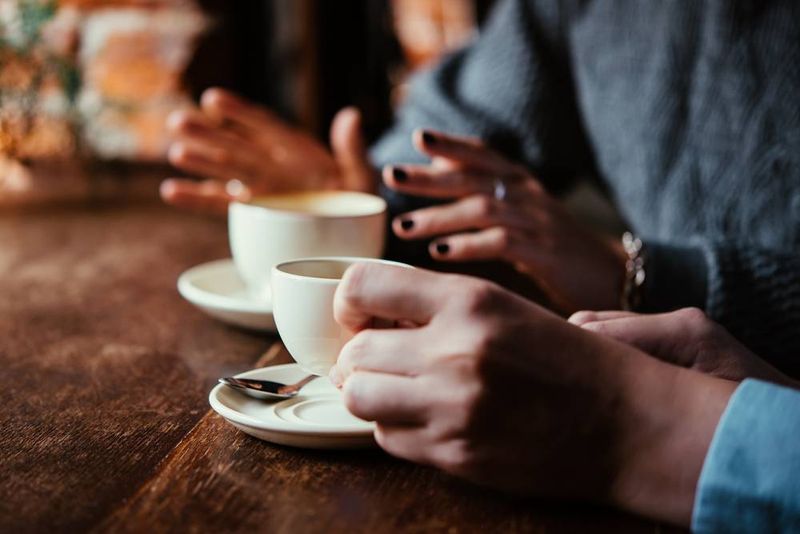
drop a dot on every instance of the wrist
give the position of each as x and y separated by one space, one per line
616 275
672 414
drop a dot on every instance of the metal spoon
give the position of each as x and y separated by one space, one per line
265 389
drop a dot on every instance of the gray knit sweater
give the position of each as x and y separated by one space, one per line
688 112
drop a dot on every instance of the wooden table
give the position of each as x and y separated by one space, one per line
104 419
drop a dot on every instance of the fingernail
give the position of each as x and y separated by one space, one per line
406 224
428 138
399 175
176 121
442 248
177 153
166 188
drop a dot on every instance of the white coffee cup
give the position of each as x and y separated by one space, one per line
272 229
302 302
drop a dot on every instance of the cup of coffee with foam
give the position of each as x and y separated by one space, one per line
302 302
269 230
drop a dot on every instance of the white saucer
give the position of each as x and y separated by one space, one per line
316 419
216 288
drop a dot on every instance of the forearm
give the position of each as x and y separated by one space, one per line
671 417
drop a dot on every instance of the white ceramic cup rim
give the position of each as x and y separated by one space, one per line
341 259
258 210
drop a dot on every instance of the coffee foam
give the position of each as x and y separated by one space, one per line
323 203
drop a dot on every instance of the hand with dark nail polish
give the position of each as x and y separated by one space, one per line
494 209
406 224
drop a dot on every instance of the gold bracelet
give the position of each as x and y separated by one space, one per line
633 288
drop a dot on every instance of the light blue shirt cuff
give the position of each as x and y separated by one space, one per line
750 481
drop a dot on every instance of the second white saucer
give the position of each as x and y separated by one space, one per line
216 288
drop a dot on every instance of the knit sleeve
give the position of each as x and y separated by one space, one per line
753 292
756 293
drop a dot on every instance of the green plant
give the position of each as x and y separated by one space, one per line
22 41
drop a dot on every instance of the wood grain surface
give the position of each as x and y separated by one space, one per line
105 424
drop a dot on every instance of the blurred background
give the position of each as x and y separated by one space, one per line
86 85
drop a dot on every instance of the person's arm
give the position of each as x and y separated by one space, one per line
492 388
751 478
750 481
754 293
511 88
495 389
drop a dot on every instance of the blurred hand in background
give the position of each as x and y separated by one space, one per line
243 150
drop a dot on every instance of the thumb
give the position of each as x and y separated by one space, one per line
350 153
